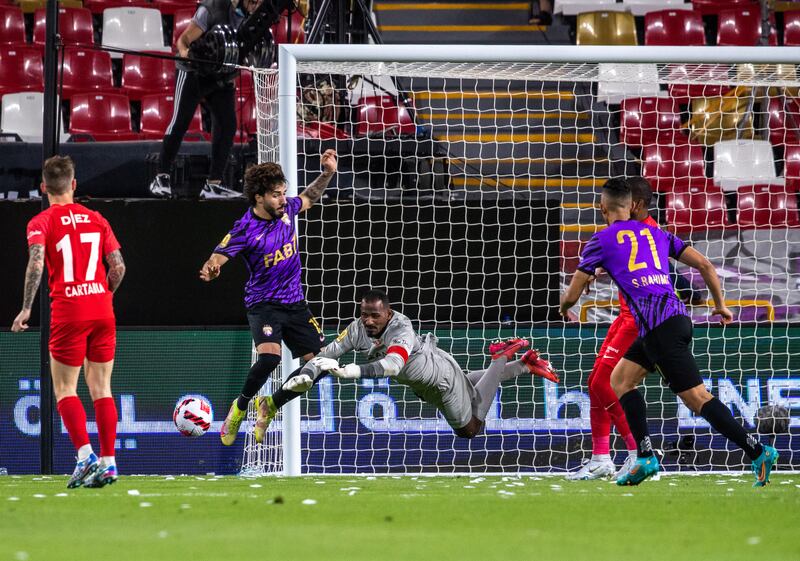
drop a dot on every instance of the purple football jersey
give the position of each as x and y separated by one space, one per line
636 256
269 249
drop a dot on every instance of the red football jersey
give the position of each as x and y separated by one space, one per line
75 239
623 306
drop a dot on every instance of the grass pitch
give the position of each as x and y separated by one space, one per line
403 518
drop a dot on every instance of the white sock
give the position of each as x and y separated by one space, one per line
84 452
601 457
108 460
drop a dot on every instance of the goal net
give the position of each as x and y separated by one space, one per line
468 180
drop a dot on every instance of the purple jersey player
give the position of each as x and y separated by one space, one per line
636 256
266 238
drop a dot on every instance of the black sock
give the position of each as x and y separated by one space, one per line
721 418
258 374
636 412
281 396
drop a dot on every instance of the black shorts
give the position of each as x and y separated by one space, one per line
294 324
666 349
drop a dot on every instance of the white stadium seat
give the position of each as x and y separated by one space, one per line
641 7
744 162
137 29
621 81
22 115
575 7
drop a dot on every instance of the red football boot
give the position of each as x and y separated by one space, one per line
507 348
539 366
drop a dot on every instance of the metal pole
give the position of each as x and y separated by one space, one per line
51 129
287 139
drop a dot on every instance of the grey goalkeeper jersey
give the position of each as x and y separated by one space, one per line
428 370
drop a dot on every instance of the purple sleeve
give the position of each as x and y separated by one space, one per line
591 256
233 242
294 204
676 245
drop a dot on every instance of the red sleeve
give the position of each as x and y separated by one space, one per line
110 242
650 221
37 230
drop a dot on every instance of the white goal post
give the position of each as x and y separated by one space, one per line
527 134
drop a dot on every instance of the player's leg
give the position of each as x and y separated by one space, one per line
67 352
186 98
302 334
486 386
265 322
97 369
627 375
679 368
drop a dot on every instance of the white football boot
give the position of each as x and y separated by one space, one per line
593 469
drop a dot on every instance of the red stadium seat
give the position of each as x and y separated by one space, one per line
157 113
246 118
168 7
767 206
86 70
791 28
696 210
699 73
294 25
101 117
674 27
321 131
709 7
791 167
21 69
143 75
74 26
97 6
244 83
742 27
650 120
181 22
783 121
383 115
12 25
674 168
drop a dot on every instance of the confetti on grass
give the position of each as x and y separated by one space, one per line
309 502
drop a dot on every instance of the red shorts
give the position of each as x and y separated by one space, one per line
621 335
73 341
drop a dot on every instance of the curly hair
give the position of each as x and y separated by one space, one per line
57 174
261 178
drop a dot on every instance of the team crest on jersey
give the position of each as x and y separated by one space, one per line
286 220
267 330
225 240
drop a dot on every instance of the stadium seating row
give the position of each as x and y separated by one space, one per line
736 162
136 28
758 206
107 117
737 26
643 7
657 120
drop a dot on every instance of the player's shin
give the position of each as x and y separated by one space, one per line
721 418
636 412
487 386
105 412
259 372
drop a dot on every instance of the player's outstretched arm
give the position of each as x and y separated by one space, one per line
116 269
210 269
570 296
313 192
33 276
697 260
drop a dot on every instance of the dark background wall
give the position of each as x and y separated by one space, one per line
456 262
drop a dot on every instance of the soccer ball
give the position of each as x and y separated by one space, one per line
772 419
193 416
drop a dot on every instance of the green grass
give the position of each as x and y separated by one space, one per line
706 518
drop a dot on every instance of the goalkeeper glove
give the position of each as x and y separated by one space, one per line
348 372
324 364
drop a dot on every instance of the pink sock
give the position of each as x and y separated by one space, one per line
105 411
630 442
600 445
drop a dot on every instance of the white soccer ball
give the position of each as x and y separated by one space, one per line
193 416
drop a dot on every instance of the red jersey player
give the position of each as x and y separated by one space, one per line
604 405
71 239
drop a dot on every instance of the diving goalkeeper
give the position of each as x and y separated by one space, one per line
394 350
